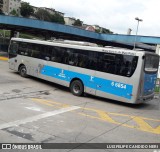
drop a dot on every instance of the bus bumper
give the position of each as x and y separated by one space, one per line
145 98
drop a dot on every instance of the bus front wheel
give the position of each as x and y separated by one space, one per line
77 88
23 71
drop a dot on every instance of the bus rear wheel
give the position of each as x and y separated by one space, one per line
77 88
23 71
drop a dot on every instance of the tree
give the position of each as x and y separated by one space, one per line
97 30
57 18
13 12
26 9
103 30
44 15
78 23
1 6
106 31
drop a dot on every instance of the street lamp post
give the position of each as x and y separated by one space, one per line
139 20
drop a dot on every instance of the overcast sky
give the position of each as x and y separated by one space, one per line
116 15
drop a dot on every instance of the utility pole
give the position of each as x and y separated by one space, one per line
139 20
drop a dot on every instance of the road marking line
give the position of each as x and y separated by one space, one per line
125 115
51 103
102 114
3 58
38 117
43 102
34 108
141 124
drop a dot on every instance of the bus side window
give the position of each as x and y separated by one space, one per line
134 64
78 58
57 54
68 54
128 65
106 63
64 56
13 50
34 50
71 58
100 64
119 64
23 49
92 57
42 52
82 61
46 52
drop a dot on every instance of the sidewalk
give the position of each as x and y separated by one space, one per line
3 56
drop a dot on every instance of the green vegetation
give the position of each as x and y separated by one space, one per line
57 18
22 35
13 12
1 6
4 33
78 22
26 9
107 31
157 88
104 30
28 36
44 15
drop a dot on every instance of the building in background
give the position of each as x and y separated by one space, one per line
69 20
50 10
96 27
88 27
10 6
158 52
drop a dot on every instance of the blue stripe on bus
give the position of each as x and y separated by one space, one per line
149 83
100 84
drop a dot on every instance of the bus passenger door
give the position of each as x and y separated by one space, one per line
100 84
91 84
13 49
12 62
105 67
150 74
34 61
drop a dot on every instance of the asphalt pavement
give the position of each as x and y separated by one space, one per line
36 111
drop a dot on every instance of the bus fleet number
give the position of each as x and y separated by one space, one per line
119 85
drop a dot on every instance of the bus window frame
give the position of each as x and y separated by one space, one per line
150 72
15 53
93 58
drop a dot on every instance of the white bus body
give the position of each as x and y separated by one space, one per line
118 74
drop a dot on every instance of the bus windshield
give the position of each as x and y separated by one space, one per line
13 49
151 63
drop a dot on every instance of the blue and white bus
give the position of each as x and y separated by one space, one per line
113 73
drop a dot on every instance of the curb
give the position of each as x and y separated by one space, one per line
3 58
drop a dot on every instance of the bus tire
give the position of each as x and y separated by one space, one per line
77 88
23 71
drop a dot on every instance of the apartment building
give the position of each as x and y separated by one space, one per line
69 20
10 5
